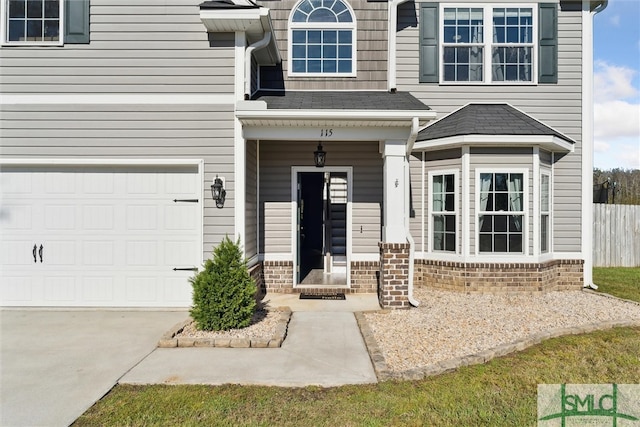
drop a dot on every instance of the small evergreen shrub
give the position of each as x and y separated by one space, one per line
223 292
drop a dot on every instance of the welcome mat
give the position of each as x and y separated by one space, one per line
336 296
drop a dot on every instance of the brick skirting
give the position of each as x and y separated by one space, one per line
500 277
393 291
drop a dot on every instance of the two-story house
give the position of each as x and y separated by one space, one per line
351 145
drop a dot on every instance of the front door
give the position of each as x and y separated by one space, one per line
322 199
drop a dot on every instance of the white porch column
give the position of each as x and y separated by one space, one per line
394 154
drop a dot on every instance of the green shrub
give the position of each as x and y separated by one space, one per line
224 292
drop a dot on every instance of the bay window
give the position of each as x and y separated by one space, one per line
443 211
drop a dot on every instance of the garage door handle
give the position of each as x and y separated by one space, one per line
185 269
40 252
35 248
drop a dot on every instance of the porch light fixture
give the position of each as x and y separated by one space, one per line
218 193
319 156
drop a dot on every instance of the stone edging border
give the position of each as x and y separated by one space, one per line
170 340
384 373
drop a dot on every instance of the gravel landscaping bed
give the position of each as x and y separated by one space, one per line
450 325
268 328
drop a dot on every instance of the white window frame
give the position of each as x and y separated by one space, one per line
548 212
4 28
455 212
488 43
526 188
338 26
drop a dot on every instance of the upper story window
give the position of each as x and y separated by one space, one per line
322 39
33 21
487 44
44 22
483 43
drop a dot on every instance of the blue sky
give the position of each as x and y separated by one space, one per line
617 86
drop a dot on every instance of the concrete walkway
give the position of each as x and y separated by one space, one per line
55 364
321 348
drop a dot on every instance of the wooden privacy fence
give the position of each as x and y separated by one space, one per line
616 235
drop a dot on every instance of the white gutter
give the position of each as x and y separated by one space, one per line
247 62
415 125
392 29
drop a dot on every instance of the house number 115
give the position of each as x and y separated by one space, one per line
326 132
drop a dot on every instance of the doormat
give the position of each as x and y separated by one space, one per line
336 296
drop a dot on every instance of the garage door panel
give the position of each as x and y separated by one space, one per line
111 236
180 216
98 217
142 217
98 253
177 290
16 289
60 217
142 289
60 289
58 253
97 289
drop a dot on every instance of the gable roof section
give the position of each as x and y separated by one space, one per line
346 108
491 124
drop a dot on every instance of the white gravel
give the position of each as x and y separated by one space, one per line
263 326
451 324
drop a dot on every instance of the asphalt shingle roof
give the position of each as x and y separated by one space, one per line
228 4
327 100
487 119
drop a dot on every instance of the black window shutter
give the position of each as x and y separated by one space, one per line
429 64
548 43
76 21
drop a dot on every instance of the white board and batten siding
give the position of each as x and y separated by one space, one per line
557 105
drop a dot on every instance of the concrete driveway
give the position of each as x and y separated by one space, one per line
55 364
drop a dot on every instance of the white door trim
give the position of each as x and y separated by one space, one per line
294 209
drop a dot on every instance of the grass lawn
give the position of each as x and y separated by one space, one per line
623 282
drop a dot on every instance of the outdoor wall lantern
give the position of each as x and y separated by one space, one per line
319 156
218 193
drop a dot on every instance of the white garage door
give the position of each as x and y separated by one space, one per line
99 236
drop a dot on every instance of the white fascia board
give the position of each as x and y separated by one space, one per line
232 20
336 114
548 142
311 132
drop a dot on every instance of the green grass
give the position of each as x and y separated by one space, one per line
622 282
502 392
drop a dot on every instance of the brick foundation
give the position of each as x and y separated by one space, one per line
278 276
500 277
393 289
364 276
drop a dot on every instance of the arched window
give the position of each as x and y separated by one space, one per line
322 39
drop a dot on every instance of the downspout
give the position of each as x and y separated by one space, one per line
587 159
415 124
392 30
247 62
